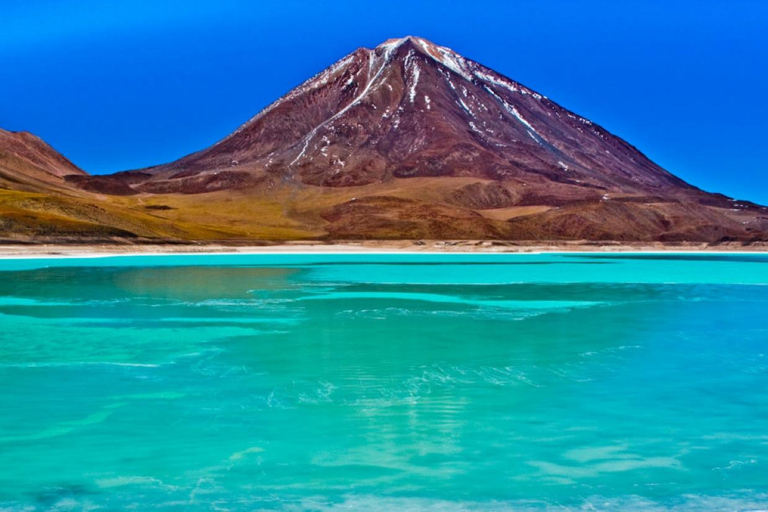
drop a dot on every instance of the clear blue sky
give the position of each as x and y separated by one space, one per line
116 85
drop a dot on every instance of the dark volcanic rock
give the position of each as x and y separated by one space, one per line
112 185
483 196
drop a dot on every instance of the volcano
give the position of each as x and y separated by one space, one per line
412 140
410 108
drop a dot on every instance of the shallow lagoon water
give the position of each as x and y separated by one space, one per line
385 382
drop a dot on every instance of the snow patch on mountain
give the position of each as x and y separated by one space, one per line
373 61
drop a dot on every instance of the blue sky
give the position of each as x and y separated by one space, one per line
126 84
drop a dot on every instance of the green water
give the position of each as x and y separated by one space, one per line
384 382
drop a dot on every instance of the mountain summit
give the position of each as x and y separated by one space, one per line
410 108
412 140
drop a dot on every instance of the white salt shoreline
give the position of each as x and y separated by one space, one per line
52 251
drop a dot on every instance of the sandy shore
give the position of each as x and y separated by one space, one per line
407 246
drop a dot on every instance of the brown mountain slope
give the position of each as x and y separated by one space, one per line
27 163
412 140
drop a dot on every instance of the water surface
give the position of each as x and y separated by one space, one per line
385 382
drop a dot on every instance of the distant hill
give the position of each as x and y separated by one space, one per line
28 163
38 203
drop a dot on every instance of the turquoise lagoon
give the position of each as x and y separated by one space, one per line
385 382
